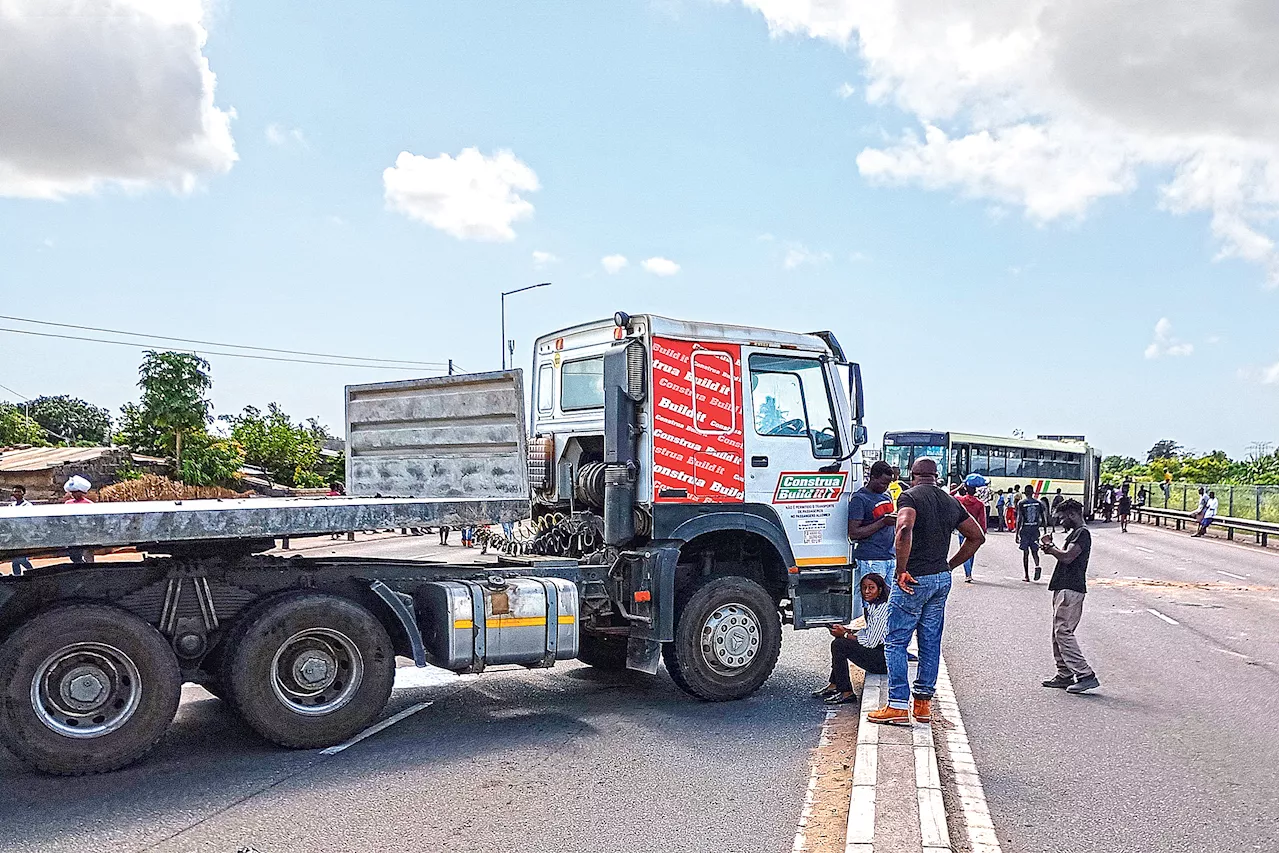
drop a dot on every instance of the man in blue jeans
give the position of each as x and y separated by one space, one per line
927 517
871 520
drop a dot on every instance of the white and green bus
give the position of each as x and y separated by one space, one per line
1047 464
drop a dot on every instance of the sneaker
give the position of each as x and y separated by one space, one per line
1037 575
920 709
891 716
968 579
1058 681
1089 682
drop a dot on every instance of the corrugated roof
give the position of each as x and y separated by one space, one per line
44 458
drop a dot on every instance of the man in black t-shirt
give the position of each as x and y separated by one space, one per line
1027 523
927 518
1068 587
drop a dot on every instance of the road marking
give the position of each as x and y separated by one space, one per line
1144 550
824 739
973 800
1233 575
1159 615
377 727
860 829
1237 654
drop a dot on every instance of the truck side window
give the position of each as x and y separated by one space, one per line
582 384
546 391
789 398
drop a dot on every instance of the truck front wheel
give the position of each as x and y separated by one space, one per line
86 688
310 670
727 639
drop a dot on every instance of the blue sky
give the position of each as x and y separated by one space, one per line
710 134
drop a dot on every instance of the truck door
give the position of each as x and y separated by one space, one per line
793 447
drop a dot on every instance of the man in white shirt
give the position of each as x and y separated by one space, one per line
1210 510
20 499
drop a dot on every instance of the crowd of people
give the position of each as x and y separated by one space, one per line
902 549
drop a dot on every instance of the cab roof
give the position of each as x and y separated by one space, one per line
695 330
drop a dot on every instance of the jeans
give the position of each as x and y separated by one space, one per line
921 614
968 564
883 568
21 564
847 650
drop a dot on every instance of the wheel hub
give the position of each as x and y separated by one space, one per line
86 690
316 671
730 637
315 668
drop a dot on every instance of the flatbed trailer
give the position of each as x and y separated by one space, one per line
650 539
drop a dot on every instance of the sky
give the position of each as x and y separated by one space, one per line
1037 216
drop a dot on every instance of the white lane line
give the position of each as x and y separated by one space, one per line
973 800
1237 654
824 738
377 727
860 829
1233 575
1159 615
1144 550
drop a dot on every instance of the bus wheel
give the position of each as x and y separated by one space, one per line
86 688
310 670
727 639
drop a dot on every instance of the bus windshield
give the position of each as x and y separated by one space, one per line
903 456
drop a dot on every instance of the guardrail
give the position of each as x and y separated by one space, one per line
1261 530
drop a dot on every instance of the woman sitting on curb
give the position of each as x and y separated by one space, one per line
863 647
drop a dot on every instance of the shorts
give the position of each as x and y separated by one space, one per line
1029 538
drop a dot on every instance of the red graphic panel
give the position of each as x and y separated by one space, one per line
697 422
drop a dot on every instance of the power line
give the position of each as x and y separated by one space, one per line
216 344
211 352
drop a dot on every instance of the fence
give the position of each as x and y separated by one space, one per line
1260 503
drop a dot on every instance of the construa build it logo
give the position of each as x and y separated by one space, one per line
809 488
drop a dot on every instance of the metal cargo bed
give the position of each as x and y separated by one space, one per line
164 524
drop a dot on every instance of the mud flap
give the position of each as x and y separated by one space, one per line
649 602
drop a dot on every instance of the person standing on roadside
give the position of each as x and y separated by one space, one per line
1124 506
999 509
871 521
1068 587
1030 516
1208 513
978 510
1053 510
77 489
895 488
19 498
918 599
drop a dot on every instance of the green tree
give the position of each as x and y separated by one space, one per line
72 420
209 460
17 428
1165 448
289 452
1118 464
173 403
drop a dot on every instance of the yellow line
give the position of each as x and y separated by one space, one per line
512 622
822 561
463 624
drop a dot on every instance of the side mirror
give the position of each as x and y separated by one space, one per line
855 391
860 435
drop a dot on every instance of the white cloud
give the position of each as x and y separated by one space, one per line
541 259
798 255
112 92
660 266
1164 343
846 91
1051 106
280 136
473 197
1268 375
613 263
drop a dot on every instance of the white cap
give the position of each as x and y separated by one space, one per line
76 484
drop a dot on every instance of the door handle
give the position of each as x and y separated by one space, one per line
759 461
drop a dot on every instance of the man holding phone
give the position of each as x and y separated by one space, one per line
927 516
871 520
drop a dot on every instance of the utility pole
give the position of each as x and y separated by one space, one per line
450 367
503 301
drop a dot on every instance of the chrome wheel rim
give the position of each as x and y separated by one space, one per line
86 690
316 671
730 638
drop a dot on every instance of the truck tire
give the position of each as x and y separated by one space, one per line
309 670
86 688
727 639
603 652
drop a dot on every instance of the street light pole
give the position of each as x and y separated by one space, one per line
503 300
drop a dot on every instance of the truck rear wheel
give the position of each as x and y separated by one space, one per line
310 670
86 688
603 652
727 639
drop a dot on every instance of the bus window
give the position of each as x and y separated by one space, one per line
979 461
997 465
1013 462
1030 467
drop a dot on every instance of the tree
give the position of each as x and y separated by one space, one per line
288 452
1118 464
71 420
209 460
173 402
1165 448
17 428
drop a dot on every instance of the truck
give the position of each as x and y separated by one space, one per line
681 490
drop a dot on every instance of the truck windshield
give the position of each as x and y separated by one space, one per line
582 384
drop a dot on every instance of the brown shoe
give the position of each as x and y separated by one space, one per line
920 710
892 716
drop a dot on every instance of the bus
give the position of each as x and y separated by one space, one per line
1045 463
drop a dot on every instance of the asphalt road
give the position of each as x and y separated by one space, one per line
1178 749
566 759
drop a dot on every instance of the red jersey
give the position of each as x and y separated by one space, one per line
975 508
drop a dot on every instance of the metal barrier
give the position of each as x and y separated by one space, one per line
1261 530
1255 503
